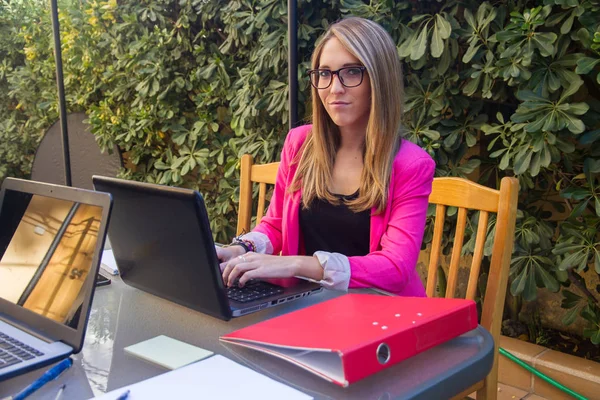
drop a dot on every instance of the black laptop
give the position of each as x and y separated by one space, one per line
162 242
51 241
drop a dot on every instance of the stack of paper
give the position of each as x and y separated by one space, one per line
213 378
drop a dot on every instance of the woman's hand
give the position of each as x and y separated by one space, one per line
225 254
255 266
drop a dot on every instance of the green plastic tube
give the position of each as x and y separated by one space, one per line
541 375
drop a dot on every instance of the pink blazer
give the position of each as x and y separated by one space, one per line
396 234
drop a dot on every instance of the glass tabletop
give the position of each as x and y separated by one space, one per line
122 316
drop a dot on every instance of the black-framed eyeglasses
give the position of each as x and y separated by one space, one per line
349 76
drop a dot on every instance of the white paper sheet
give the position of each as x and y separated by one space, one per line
216 377
167 352
108 262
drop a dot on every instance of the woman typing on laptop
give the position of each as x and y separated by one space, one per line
350 199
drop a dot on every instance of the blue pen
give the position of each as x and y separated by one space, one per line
49 375
123 396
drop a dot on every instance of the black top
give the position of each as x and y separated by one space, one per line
335 228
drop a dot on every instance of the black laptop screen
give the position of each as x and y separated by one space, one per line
46 250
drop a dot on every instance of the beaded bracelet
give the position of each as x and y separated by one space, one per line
248 245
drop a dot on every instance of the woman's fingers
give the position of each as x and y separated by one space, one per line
221 253
232 268
239 271
249 274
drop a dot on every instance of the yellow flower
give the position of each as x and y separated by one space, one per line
30 53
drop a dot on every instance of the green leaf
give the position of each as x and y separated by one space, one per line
570 299
444 63
471 87
179 138
591 167
570 316
554 19
549 281
574 125
567 25
496 153
590 137
586 64
578 108
571 90
575 193
577 211
431 134
407 46
445 28
544 42
504 161
571 260
470 53
437 43
518 285
528 95
418 50
469 18
534 168
522 161
530 291
507 36
155 87
596 337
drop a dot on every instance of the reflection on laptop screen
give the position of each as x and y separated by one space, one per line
46 250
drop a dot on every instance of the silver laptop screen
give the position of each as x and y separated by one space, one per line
46 250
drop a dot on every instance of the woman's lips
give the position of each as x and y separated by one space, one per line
338 104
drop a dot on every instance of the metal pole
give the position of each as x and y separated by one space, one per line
61 92
293 62
44 263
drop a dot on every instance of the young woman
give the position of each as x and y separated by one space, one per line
350 199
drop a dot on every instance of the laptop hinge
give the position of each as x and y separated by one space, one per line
26 329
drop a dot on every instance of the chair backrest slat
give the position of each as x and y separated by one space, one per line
477 254
264 174
493 306
436 244
459 237
260 211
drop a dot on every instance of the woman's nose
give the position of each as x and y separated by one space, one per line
336 85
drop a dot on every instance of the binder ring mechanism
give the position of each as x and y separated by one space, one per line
383 353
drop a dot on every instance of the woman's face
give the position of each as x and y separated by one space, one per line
347 106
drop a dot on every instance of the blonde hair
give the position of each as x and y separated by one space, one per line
375 49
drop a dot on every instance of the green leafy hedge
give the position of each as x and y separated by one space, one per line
185 87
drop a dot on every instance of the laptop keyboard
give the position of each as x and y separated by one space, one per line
13 352
252 290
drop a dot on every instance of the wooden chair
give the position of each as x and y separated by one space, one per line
464 194
250 173
446 192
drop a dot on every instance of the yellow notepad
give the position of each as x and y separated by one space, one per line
167 352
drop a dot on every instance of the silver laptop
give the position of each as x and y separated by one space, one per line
162 242
51 239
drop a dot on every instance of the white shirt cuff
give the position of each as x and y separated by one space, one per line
260 240
336 270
